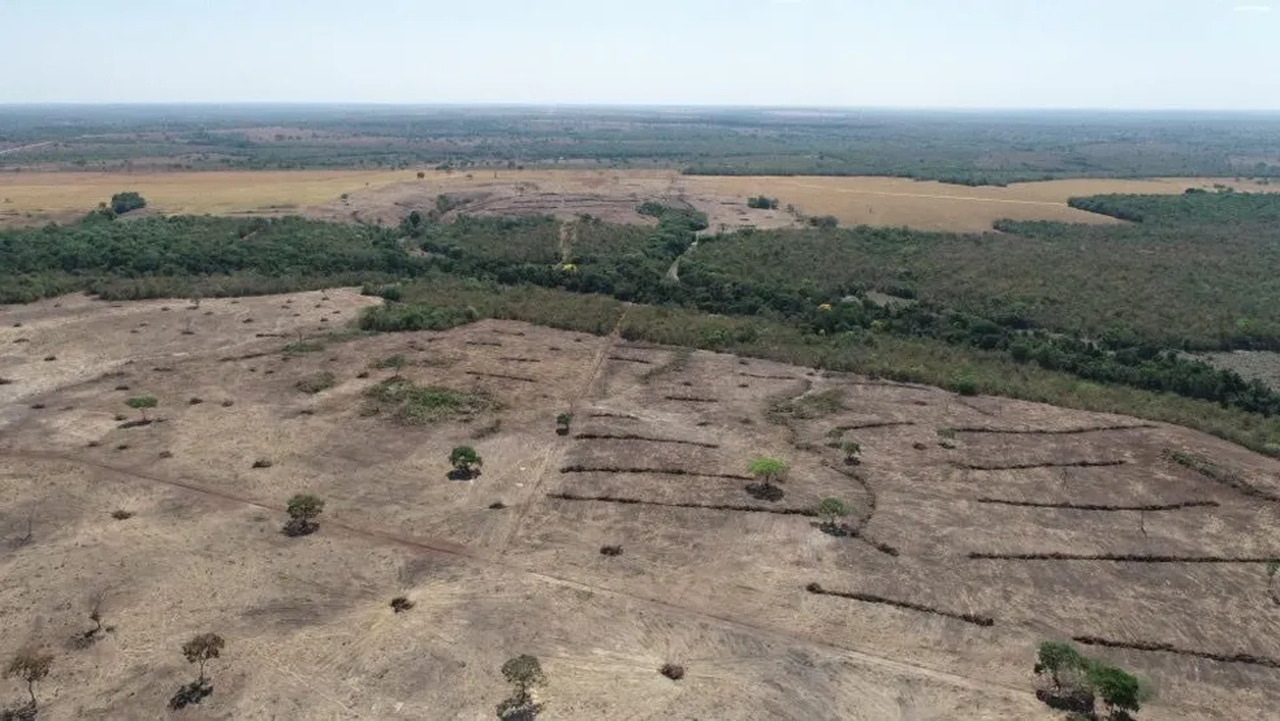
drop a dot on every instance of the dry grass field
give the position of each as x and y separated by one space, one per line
709 577
36 197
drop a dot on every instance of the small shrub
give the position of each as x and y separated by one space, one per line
195 401
142 403
122 388
964 386
672 671
303 510
228 403
121 515
497 506
400 604
262 463
466 463
611 550
562 423
316 382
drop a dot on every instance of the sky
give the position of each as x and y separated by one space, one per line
1121 54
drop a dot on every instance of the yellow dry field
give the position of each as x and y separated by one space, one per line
32 198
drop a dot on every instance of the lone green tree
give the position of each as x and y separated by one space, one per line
769 471
201 649
524 673
303 510
830 511
1118 689
31 667
142 403
465 461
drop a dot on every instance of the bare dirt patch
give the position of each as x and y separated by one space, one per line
509 562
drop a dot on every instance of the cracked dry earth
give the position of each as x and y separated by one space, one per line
1049 523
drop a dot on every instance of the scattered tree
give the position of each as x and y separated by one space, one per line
1119 690
303 510
761 202
562 423
672 671
524 673
142 403
770 472
466 462
201 649
31 667
1058 659
830 511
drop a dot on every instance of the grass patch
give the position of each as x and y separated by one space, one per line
808 406
414 405
316 382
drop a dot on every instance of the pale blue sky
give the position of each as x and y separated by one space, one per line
1149 54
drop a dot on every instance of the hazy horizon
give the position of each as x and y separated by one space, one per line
958 55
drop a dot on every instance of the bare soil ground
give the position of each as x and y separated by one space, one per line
654 445
36 197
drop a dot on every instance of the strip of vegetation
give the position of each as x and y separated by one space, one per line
1245 658
636 437
411 404
1115 557
768 377
502 376
630 360
669 504
873 424
655 471
691 399
977 620
1100 507
1053 431
1218 474
1046 464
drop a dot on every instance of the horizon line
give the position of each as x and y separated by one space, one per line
619 106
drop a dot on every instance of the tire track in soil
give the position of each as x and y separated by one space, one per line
462 552
557 447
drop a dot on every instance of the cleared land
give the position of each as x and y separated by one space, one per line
387 196
709 577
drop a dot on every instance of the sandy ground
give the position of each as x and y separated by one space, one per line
309 630
29 198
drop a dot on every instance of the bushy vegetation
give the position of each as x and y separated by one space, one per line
762 202
1078 680
122 203
966 148
413 405
54 259
303 510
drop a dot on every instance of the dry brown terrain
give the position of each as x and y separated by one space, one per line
309 630
35 197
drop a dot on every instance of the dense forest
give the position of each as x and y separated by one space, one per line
1114 305
959 147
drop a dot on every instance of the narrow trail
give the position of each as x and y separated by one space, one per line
462 552
546 465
